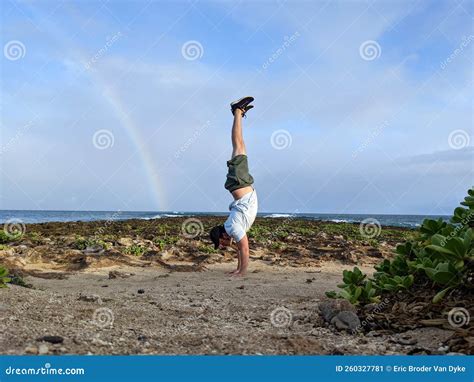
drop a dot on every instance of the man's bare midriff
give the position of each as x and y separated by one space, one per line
237 194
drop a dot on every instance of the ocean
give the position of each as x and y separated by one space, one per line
27 216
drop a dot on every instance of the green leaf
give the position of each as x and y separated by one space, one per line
440 295
440 249
444 273
357 292
408 281
331 294
345 294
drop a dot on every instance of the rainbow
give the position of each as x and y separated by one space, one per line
136 137
117 106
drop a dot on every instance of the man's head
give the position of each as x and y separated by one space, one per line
219 237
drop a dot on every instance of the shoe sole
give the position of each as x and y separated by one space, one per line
234 104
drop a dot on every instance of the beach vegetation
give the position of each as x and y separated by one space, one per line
8 238
163 242
136 250
82 243
209 249
277 246
16 279
438 257
34 236
303 231
4 279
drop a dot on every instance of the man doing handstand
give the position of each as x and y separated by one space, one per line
239 182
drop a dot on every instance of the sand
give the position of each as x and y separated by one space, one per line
176 298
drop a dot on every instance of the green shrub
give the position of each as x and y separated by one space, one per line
355 288
163 242
4 238
209 249
4 279
82 243
135 249
439 254
277 246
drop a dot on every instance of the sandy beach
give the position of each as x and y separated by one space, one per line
140 287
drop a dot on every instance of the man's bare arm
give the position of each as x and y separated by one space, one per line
244 254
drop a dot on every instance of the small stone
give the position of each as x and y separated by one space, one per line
94 249
98 341
328 310
117 274
43 349
373 333
31 349
346 320
405 340
125 241
166 255
241 287
141 291
51 339
90 298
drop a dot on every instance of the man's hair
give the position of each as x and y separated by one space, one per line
216 233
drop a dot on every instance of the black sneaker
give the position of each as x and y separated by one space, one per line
242 104
246 109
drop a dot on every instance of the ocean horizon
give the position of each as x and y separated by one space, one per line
49 216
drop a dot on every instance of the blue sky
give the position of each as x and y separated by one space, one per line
361 106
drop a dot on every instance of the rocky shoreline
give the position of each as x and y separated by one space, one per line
159 287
